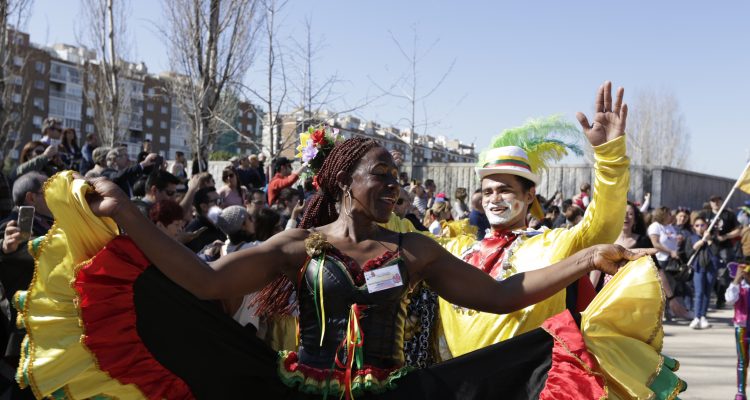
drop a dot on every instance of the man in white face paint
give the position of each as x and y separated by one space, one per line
509 183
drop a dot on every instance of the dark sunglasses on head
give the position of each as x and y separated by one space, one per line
39 151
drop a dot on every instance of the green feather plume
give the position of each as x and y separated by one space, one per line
544 140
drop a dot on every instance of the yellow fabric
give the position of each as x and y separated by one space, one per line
467 330
397 224
282 333
744 182
622 329
56 354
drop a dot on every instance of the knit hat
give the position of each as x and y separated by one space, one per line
231 219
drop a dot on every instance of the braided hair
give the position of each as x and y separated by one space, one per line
274 299
343 157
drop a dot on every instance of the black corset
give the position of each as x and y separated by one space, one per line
381 319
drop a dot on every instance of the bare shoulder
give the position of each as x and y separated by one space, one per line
290 239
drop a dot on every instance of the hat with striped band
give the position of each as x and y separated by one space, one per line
507 160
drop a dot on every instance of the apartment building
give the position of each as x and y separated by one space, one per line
60 81
423 149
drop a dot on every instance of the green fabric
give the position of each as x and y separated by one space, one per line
667 385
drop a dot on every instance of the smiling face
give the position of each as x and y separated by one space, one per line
374 185
505 201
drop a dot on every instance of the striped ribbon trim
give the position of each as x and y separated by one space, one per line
508 162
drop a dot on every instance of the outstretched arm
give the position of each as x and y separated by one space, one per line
465 285
234 275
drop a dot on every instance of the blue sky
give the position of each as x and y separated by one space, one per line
513 60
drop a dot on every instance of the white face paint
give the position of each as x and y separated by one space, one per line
510 210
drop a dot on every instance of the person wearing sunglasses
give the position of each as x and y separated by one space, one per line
52 132
232 193
702 243
160 185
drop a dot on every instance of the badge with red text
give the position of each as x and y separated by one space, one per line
383 278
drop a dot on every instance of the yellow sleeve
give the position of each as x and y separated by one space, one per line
602 221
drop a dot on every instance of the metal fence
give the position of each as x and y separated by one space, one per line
670 187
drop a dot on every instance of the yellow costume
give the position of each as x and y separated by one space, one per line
466 330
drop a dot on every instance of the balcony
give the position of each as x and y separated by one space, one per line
57 93
136 124
57 76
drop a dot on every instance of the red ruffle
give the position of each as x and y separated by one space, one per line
572 375
357 273
105 289
291 364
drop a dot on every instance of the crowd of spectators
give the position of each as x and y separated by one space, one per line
254 203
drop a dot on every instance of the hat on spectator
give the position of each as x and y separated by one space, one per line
49 122
234 159
231 219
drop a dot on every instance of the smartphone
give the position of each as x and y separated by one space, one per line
25 221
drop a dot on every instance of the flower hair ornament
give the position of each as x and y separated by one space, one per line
314 146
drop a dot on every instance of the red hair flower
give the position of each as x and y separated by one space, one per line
318 136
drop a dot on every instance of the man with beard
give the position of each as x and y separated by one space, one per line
509 181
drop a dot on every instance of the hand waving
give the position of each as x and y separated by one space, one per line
609 120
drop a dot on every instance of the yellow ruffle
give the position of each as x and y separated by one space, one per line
56 357
622 329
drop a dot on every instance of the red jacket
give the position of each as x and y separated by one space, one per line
279 182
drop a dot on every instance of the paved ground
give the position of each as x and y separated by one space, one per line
707 357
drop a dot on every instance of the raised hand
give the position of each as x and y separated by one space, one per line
608 258
609 119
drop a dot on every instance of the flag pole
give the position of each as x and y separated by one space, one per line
723 206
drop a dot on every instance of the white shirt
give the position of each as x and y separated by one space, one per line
435 228
667 238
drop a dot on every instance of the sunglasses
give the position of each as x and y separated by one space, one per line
39 151
230 175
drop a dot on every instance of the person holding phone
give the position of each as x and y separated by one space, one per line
17 264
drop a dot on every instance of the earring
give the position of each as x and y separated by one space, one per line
347 211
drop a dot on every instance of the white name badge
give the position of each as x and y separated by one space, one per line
383 278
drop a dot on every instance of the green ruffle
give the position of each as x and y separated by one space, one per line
666 385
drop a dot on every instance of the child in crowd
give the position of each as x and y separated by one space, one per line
737 293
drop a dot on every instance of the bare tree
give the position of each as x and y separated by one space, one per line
409 88
106 92
315 93
13 93
273 94
211 44
657 134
